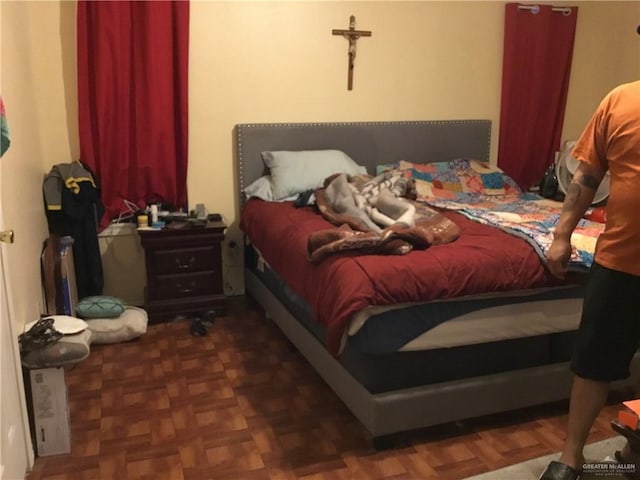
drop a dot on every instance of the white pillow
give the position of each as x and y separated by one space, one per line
131 324
294 172
261 188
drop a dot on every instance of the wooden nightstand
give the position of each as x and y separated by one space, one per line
184 271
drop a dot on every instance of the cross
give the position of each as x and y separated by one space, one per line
352 35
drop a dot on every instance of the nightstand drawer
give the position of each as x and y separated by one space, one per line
191 285
184 260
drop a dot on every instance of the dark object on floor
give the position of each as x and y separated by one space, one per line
197 329
200 325
559 471
632 458
208 318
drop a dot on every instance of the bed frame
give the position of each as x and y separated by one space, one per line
370 144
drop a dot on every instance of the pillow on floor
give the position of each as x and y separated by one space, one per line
99 306
131 324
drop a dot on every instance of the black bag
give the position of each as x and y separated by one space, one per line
549 182
41 334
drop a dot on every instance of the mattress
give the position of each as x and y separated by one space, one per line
482 267
467 321
493 350
482 319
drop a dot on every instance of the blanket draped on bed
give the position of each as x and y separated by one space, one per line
376 215
485 194
529 217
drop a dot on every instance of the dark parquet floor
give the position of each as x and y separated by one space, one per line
241 403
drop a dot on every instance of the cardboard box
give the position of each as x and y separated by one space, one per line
50 408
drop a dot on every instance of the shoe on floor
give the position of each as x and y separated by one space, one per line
197 329
559 471
630 459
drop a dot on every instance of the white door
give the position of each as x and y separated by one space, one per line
16 452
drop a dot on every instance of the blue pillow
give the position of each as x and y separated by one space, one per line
100 306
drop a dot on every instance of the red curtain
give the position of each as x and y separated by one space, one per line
538 46
132 100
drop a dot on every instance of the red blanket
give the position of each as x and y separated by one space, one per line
482 260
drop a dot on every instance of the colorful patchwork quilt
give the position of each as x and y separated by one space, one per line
485 194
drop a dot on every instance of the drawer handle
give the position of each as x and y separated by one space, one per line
182 289
189 263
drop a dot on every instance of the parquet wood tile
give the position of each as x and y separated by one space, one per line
241 404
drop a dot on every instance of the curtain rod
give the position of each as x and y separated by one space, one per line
536 8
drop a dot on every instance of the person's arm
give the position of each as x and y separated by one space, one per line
579 196
578 199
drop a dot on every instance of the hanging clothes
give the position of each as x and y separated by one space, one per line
73 207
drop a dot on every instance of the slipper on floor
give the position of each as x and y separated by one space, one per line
631 459
197 329
559 471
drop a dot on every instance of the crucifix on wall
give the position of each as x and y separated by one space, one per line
351 35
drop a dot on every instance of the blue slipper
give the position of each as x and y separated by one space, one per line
559 471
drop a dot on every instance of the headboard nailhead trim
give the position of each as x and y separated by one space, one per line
241 127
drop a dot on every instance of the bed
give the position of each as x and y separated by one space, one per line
456 349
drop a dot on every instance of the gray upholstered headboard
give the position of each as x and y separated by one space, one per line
367 143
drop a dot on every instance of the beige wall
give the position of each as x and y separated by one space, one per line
606 53
34 89
278 62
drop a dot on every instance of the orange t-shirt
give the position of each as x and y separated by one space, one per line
611 141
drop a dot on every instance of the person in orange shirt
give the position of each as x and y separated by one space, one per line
609 332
